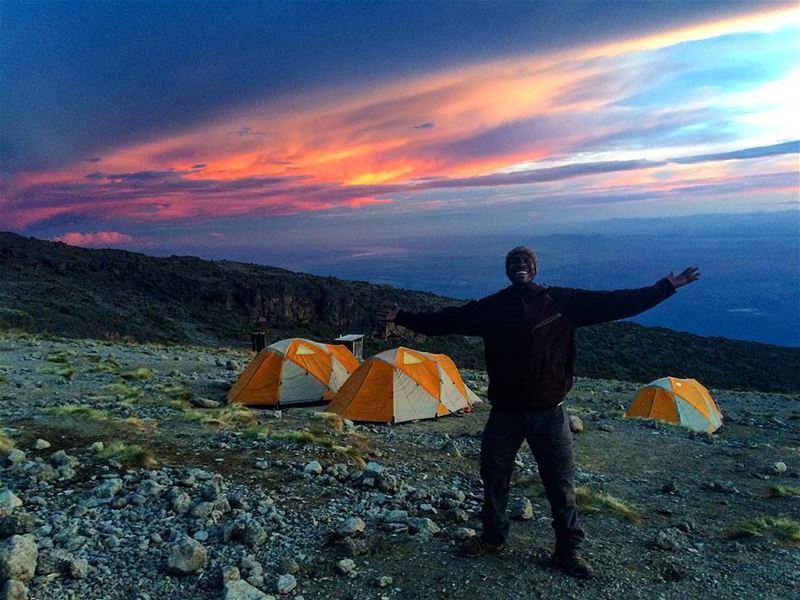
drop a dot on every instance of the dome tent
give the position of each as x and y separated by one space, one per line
683 402
292 371
402 385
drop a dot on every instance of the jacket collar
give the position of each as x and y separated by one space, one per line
529 290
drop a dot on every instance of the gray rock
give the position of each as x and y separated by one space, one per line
97 447
181 503
231 365
521 509
239 589
353 547
457 515
607 427
18 556
384 581
202 510
288 566
575 424
108 489
19 523
286 583
346 565
314 468
396 516
14 456
62 459
14 589
351 526
204 402
41 444
8 501
464 533
78 568
668 539
451 449
423 526
186 556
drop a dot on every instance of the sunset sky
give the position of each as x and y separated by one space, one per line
215 126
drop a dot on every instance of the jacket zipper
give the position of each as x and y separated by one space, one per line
547 321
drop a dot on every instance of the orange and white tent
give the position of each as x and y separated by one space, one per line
683 402
402 385
293 371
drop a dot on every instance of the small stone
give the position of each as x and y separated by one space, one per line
457 515
231 365
384 581
314 468
78 568
286 583
607 427
200 535
229 573
181 503
521 509
353 547
464 533
14 456
186 556
41 444
451 449
345 566
62 459
575 424
108 489
668 539
288 566
97 447
351 526
423 526
779 467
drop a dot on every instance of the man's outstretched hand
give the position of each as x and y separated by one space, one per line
686 277
388 315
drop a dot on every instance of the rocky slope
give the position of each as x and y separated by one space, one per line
122 478
113 294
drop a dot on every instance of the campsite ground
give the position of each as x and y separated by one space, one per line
683 495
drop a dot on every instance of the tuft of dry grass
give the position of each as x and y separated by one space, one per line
590 501
234 416
140 374
128 454
123 392
331 420
141 424
785 529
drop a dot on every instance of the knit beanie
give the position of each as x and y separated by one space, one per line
526 252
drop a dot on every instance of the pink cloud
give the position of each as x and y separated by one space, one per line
100 238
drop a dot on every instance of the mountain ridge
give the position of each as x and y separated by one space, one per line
117 294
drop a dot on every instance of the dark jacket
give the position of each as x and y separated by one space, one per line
529 335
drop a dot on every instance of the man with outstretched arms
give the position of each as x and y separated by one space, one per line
529 340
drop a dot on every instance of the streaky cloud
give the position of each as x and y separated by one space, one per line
792 147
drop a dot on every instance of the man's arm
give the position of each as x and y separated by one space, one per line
584 307
464 320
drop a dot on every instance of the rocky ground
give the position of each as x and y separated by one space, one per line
124 476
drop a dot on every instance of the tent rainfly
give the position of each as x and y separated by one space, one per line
292 371
683 402
402 385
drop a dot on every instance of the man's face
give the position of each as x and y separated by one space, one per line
519 269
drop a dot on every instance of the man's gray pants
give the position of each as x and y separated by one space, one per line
550 439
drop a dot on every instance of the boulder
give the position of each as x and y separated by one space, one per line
18 556
186 556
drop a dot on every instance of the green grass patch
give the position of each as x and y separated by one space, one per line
783 491
62 356
123 392
128 454
140 374
104 365
141 424
174 392
83 412
784 529
590 501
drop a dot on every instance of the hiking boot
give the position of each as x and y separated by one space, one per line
573 564
477 546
